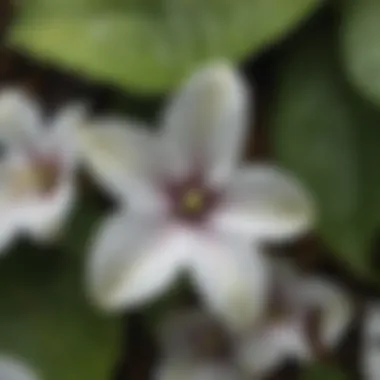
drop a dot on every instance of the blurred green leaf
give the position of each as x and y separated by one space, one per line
360 33
330 138
149 45
323 372
45 317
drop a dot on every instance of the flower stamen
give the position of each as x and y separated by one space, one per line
40 177
193 201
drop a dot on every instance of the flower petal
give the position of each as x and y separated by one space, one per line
336 307
43 217
135 259
370 353
233 279
20 117
62 137
118 154
12 369
271 346
8 228
205 123
264 202
9 221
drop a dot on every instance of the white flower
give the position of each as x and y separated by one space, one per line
370 349
265 350
14 369
288 335
36 168
191 340
191 205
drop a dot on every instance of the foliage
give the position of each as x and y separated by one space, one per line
150 45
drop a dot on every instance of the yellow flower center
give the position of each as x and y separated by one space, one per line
33 179
193 200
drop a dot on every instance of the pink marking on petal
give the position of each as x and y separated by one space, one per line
191 200
48 167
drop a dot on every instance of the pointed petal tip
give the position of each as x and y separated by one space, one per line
111 302
15 368
221 70
77 109
12 94
72 115
219 73
100 291
222 73
102 299
14 99
220 65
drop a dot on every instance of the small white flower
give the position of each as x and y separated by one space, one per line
193 339
191 205
287 337
14 369
272 345
370 349
36 169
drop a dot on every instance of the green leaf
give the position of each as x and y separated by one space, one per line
323 372
360 32
329 137
46 320
149 45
